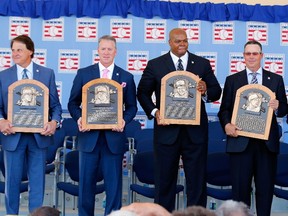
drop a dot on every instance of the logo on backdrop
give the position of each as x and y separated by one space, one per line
95 57
192 29
223 33
86 29
155 31
19 26
257 31
121 30
53 30
5 59
137 61
40 56
69 61
284 34
212 57
59 90
237 62
274 63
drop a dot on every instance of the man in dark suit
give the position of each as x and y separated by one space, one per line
102 149
173 141
30 147
251 157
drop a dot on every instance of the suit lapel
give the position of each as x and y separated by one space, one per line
36 72
116 74
169 62
266 79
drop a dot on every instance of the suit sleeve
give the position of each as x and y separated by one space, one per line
146 87
281 97
129 100
226 108
75 98
55 108
213 88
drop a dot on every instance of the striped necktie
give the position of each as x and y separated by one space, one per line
24 74
254 78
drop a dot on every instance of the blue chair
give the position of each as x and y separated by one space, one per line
58 138
71 131
144 140
216 137
70 185
281 180
219 184
143 168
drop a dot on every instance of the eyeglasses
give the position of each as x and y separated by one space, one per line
252 53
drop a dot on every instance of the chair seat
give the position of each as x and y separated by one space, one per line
73 189
281 193
221 194
150 191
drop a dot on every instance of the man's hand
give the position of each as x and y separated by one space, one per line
6 127
231 130
49 128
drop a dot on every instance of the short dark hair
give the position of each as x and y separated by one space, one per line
253 42
25 40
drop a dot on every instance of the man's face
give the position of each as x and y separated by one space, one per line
253 55
107 52
20 54
178 43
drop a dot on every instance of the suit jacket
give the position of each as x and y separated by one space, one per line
115 140
43 75
151 81
233 82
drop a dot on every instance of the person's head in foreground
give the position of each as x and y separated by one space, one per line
233 208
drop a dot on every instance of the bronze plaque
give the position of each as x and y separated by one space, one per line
251 112
28 105
102 104
180 101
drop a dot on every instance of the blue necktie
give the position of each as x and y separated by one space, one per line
254 78
180 65
24 74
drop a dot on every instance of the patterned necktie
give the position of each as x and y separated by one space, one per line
24 74
105 73
180 65
254 78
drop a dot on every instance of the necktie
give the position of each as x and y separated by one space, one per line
105 73
254 78
180 65
24 74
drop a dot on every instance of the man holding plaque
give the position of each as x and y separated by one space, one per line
252 157
22 147
175 140
102 148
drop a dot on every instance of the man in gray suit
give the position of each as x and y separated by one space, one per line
21 147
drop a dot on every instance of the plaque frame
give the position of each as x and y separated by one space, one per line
42 105
118 91
192 97
257 117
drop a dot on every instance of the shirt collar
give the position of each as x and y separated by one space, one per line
110 68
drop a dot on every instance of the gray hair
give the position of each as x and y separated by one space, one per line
107 37
233 208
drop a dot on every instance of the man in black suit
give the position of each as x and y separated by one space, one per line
252 157
172 141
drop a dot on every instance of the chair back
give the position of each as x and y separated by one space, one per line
132 127
58 139
144 167
282 171
72 166
218 169
144 140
